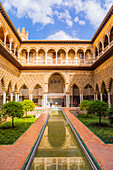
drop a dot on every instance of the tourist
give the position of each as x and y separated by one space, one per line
75 103
51 102
56 104
62 102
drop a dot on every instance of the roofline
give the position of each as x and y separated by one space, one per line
103 23
57 41
8 20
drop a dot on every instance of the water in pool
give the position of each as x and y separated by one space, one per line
58 148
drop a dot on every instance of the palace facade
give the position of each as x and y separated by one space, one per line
41 70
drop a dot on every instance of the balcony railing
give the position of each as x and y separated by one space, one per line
57 62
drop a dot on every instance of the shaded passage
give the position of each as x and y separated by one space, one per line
59 148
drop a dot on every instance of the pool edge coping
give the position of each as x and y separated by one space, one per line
88 151
33 147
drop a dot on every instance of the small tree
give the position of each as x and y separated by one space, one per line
28 105
12 109
110 114
100 108
84 105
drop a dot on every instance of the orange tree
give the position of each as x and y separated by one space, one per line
12 109
28 105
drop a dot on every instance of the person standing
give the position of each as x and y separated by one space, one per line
51 102
75 103
62 102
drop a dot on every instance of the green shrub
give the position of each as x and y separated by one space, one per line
98 107
110 114
28 105
84 104
12 109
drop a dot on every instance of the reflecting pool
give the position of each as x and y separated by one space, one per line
58 148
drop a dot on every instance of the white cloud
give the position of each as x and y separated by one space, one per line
61 35
76 19
94 12
43 11
65 17
81 22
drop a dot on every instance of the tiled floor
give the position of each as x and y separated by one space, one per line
103 153
12 157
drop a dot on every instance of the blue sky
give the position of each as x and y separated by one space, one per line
58 19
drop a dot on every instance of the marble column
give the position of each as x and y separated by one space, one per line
67 100
28 57
16 97
31 96
56 57
96 95
66 57
45 100
46 58
81 97
4 97
5 39
101 97
10 46
11 97
109 100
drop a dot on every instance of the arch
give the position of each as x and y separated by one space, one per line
42 49
32 55
52 49
23 92
75 98
38 95
3 83
71 53
88 54
80 55
100 47
104 92
7 40
16 88
96 52
56 83
81 48
51 55
10 86
110 87
62 48
57 72
97 92
38 85
32 48
2 34
88 92
23 55
61 56
74 83
41 55
24 48
72 48
111 34
105 41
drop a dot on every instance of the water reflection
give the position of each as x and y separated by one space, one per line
59 148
